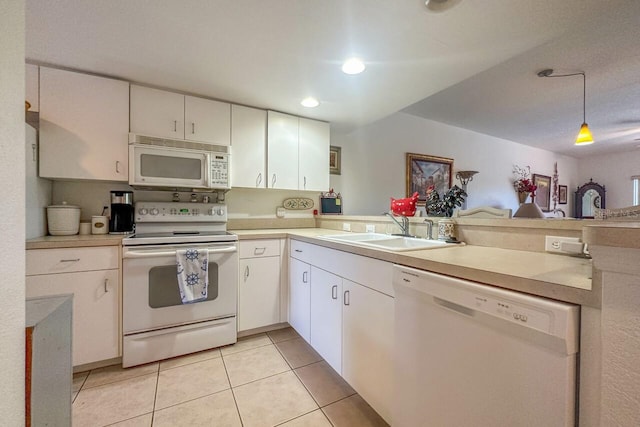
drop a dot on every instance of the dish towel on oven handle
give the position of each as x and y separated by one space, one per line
193 277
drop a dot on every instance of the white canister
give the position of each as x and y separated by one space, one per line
99 224
85 228
63 220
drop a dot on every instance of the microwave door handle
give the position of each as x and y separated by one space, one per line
156 254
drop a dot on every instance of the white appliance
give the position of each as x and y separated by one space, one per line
475 355
174 164
155 323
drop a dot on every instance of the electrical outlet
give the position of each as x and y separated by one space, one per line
346 226
554 243
370 228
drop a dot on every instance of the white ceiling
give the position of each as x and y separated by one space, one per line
271 54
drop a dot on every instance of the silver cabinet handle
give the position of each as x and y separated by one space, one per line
117 166
305 183
259 179
304 277
193 127
246 273
345 298
334 292
106 282
259 251
70 260
34 148
273 181
175 126
298 250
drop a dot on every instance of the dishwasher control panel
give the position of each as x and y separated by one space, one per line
509 310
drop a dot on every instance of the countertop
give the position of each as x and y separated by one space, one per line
554 276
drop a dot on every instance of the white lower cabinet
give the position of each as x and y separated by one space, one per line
96 298
367 345
326 316
346 303
300 297
259 287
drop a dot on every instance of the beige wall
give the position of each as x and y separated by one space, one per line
12 212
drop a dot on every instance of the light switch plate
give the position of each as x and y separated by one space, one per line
280 211
346 226
370 228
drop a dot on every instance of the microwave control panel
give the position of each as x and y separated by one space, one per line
219 170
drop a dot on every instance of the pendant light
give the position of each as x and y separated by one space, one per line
584 135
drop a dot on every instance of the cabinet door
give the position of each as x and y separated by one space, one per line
300 297
249 147
84 125
96 335
157 112
282 151
259 293
367 345
206 120
326 316
313 146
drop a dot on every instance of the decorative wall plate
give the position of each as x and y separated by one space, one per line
298 203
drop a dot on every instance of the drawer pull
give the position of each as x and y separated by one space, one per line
299 251
304 277
246 273
259 251
346 300
70 260
259 179
334 292
106 282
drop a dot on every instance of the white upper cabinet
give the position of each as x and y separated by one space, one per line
313 155
249 147
157 112
165 114
282 146
298 153
207 121
84 121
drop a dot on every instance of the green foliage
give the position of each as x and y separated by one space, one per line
452 199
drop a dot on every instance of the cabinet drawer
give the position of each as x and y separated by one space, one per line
49 261
301 250
259 248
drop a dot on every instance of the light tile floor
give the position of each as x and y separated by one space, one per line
272 379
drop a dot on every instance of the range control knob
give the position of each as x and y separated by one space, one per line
220 211
154 211
211 211
143 211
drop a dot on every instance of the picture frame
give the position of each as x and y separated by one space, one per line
424 171
335 160
562 194
543 191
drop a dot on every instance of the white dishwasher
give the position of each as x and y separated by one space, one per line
475 355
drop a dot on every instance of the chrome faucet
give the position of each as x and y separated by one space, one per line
429 228
404 226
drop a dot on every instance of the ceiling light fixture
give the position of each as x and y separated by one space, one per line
309 102
353 66
440 5
584 135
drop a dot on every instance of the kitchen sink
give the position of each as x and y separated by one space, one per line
388 242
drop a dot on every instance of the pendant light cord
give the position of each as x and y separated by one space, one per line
584 88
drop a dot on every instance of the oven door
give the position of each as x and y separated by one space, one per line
168 167
151 298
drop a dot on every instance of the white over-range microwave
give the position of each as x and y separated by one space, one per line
158 163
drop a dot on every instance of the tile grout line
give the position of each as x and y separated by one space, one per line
235 402
155 395
117 381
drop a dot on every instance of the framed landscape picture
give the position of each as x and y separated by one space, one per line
425 171
562 194
543 192
334 160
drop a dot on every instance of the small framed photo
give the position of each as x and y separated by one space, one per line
424 172
335 162
562 194
543 191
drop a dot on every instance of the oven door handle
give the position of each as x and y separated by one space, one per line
156 254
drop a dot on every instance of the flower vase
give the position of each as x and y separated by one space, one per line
446 229
522 196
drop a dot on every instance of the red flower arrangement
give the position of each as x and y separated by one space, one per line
523 184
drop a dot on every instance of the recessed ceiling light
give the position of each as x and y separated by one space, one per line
310 102
353 66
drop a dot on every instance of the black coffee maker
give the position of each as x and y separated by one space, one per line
122 213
